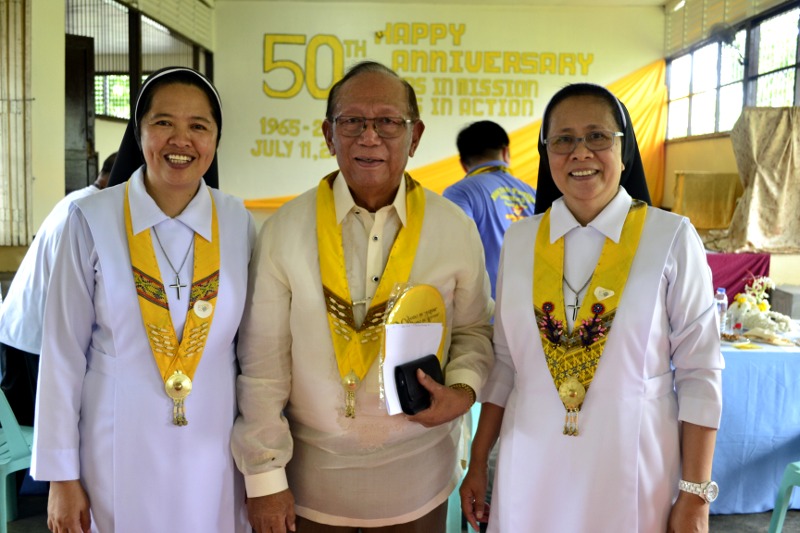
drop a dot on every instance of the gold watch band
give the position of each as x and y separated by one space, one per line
469 390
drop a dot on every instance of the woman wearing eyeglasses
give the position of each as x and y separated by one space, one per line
606 391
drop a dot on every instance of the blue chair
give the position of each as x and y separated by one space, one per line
15 455
791 479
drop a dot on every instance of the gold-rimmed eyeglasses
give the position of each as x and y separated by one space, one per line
594 140
385 127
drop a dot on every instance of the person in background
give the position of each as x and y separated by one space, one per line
22 311
136 395
606 393
489 194
316 456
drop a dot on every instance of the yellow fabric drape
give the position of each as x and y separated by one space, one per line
644 93
271 204
707 198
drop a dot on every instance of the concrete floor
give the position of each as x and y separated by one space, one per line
33 519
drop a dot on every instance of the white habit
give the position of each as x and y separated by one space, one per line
621 473
102 413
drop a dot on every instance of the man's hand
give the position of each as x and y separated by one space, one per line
273 513
689 514
68 508
446 403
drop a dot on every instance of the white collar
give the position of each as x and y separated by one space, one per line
344 202
145 213
609 221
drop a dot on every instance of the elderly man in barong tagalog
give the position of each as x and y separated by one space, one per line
318 449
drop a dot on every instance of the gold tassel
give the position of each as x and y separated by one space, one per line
179 413
350 384
571 422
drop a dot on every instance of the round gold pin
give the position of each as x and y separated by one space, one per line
572 393
178 386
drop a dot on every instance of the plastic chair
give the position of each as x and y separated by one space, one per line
791 479
15 455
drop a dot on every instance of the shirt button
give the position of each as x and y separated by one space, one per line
375 279
374 237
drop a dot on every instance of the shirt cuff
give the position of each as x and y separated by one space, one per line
467 377
55 465
700 411
266 483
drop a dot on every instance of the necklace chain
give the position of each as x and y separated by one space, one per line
581 290
576 305
177 285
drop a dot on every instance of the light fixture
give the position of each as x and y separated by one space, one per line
679 5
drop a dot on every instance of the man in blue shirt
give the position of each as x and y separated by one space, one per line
491 196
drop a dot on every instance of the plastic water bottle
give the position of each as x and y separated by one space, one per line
722 309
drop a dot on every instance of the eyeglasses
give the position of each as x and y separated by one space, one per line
386 127
594 141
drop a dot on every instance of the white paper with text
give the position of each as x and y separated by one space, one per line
404 343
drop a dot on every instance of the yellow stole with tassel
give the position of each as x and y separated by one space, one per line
356 347
176 362
572 358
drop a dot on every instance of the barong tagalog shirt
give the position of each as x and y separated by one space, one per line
102 414
373 469
661 365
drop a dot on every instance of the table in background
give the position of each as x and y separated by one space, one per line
760 429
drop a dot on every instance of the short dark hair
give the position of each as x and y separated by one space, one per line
363 68
583 89
481 140
108 164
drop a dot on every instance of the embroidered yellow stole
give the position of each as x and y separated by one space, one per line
356 347
176 362
572 358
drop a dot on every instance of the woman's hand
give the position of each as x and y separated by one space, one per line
473 488
473 494
68 508
689 515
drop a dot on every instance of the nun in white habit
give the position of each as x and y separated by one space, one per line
606 391
137 383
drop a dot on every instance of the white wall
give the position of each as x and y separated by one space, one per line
47 86
107 136
611 43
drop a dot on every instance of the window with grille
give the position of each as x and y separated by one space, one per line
112 95
108 22
754 64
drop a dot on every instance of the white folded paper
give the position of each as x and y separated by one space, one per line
404 343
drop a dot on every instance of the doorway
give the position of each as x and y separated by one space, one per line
80 157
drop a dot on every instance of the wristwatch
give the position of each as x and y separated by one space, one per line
708 490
